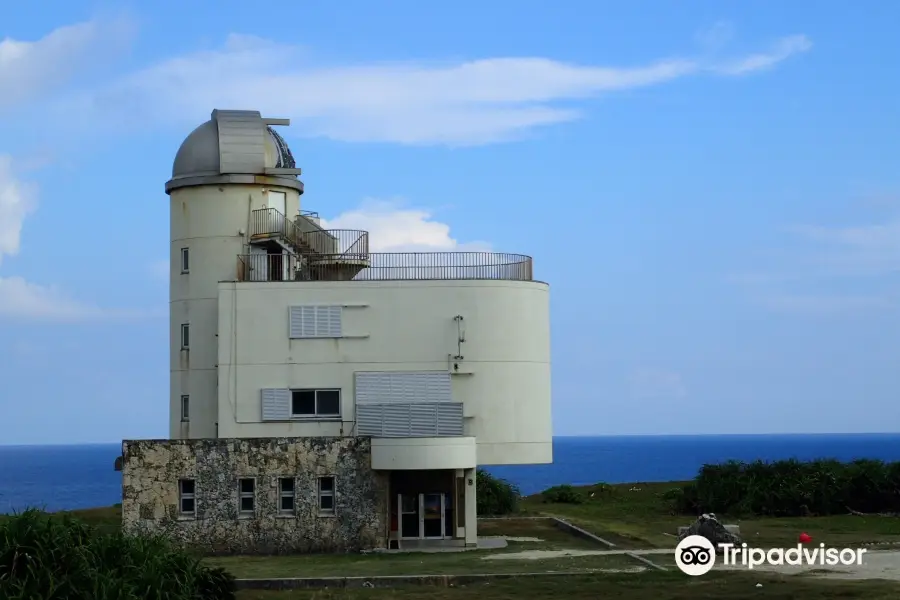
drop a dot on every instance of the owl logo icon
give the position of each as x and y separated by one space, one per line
695 555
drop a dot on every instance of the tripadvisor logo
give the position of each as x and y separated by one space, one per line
696 555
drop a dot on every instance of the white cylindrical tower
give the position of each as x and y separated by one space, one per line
234 194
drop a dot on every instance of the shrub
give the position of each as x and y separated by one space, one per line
61 558
603 489
791 488
563 494
495 496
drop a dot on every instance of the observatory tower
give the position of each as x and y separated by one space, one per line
311 378
231 174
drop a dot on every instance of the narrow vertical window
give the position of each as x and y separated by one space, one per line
185 260
326 495
185 408
286 496
246 497
187 503
185 336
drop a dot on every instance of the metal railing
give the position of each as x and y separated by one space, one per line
350 243
271 223
386 266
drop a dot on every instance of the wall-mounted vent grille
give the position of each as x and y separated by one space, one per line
315 322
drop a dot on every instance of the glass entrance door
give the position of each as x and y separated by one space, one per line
433 515
422 516
408 504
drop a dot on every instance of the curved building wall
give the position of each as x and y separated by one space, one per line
503 380
213 223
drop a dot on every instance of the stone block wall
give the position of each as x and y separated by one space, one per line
151 470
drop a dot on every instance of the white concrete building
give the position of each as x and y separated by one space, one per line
283 329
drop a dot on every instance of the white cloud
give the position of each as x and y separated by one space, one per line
393 228
648 384
716 37
20 298
29 69
878 238
784 49
474 102
836 270
17 200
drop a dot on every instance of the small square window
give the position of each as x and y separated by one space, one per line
187 504
303 403
185 336
326 495
328 402
185 260
185 408
246 496
286 495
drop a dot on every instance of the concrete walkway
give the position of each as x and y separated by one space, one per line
545 554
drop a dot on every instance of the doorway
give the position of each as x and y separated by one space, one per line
424 516
277 200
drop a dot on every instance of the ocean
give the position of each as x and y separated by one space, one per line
72 477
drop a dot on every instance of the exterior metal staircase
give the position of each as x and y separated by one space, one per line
316 253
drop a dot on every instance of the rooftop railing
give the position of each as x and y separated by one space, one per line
351 243
385 266
268 223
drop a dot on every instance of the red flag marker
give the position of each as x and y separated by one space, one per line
805 538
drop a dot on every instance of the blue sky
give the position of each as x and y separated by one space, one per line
710 188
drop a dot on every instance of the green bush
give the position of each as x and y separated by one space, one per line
791 488
602 489
495 496
563 494
53 557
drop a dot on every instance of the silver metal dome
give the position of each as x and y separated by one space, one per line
235 146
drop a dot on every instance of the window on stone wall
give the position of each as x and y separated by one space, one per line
187 503
286 495
326 495
246 497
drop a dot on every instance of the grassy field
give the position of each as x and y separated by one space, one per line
444 563
634 516
656 585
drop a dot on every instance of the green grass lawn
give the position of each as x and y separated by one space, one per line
444 563
634 516
552 537
656 585
418 563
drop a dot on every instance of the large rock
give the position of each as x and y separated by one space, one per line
709 527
